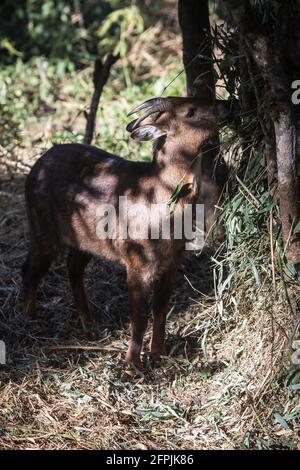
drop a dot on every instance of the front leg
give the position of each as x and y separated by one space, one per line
162 292
77 261
139 299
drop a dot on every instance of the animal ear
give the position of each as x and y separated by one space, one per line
147 132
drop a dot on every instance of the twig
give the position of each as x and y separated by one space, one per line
272 250
84 347
101 74
256 202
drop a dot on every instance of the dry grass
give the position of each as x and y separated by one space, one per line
228 369
217 389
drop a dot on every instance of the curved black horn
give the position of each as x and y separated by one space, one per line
159 105
131 125
163 103
150 111
143 105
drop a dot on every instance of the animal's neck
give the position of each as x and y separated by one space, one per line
176 165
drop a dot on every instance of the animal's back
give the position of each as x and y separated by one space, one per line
65 189
63 162
60 187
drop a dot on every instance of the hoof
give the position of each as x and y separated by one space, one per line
133 371
155 359
134 362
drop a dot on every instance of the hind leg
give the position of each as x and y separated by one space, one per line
77 261
35 267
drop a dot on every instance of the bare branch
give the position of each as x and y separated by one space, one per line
101 74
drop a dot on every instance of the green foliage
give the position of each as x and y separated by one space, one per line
10 128
245 217
41 91
40 64
119 28
59 30
175 196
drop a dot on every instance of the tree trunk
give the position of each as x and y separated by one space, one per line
193 18
194 22
285 132
269 60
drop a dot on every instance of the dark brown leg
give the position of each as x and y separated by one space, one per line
162 291
34 268
139 299
77 262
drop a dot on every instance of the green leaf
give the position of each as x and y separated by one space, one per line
297 228
281 421
175 196
6 44
294 387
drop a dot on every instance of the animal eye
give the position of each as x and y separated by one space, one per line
190 112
